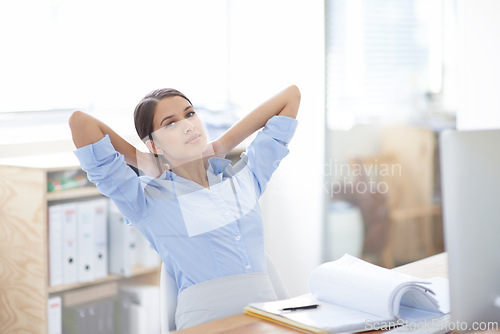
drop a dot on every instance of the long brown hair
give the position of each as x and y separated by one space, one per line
145 110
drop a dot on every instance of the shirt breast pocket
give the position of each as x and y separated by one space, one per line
202 212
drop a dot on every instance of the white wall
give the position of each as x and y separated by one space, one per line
479 55
273 44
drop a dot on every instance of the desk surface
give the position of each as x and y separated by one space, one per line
436 265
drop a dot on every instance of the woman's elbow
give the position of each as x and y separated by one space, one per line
84 129
296 91
293 102
76 119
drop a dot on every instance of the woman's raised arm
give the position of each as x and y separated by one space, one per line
285 103
87 130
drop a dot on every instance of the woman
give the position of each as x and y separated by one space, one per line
198 211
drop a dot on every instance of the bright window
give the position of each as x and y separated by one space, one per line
383 58
105 55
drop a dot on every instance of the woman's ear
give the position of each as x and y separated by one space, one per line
153 148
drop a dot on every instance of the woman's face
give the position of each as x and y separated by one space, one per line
178 132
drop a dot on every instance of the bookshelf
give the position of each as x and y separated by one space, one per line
24 265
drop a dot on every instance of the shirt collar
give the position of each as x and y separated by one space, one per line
218 169
217 166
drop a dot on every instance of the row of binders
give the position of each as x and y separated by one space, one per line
90 239
135 309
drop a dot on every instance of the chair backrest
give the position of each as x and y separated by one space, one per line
168 300
168 294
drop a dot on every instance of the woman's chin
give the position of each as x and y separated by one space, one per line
191 156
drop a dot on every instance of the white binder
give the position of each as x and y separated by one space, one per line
56 218
119 243
144 308
69 266
85 241
100 251
54 315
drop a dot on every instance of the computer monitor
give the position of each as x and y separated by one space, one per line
470 174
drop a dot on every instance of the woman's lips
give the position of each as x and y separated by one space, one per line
193 139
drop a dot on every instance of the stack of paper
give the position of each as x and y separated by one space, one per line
352 295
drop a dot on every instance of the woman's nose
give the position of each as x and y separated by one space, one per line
188 126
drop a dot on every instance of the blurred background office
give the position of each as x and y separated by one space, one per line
379 80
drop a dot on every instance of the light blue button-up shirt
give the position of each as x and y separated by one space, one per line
199 233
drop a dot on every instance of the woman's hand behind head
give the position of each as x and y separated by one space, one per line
215 149
151 164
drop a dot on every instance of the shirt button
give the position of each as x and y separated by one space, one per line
248 266
238 238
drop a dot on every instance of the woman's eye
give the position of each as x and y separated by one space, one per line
169 124
190 114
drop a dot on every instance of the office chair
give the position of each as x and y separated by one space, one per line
168 294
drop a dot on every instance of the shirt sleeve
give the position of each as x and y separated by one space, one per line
268 149
106 168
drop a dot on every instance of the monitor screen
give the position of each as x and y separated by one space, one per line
470 169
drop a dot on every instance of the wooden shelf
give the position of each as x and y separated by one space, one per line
73 193
24 246
136 271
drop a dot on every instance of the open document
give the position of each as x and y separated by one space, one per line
353 295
